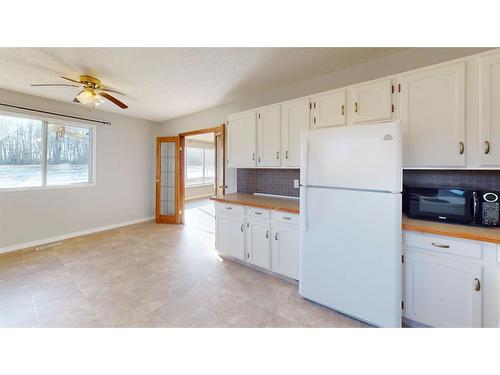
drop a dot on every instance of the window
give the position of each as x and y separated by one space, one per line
200 165
35 153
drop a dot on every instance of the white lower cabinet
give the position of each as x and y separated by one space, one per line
230 235
266 239
442 289
258 242
285 250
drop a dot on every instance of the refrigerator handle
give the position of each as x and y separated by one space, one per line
303 207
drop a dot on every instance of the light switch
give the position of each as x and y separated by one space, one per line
295 183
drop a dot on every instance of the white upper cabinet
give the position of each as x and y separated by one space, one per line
294 120
432 104
328 109
242 137
489 110
268 136
371 102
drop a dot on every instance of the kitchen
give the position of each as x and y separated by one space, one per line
424 142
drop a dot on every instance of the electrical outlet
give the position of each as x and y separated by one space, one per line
295 184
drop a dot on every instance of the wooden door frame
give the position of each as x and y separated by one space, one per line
175 218
182 160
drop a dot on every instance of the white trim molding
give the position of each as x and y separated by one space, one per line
66 236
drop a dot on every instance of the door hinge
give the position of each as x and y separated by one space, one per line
180 148
399 87
402 305
392 88
392 108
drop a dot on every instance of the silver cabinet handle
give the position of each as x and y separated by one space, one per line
342 110
253 156
259 159
277 155
462 147
267 233
286 155
477 285
486 147
229 208
276 236
440 245
287 218
258 213
356 107
242 227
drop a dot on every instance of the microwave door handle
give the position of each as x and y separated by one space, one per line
474 206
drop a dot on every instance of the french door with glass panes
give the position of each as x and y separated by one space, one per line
167 180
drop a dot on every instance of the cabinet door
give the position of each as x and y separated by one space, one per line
230 236
441 292
328 109
285 250
371 102
294 120
433 117
268 136
489 110
259 243
242 137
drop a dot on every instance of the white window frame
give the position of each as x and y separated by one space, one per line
203 164
50 120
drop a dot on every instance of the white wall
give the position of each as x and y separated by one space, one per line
125 181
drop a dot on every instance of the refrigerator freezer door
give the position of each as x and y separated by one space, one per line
350 255
366 157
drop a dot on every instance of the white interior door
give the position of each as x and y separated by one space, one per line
294 120
489 113
328 109
268 136
372 101
441 292
433 116
242 139
360 157
350 254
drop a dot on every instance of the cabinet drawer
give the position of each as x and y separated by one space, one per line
259 212
445 245
285 217
229 209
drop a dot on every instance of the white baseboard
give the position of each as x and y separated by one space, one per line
44 241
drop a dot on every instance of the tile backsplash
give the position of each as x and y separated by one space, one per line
468 179
268 181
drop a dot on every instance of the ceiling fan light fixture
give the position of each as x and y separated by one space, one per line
86 97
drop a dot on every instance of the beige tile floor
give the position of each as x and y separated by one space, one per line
148 275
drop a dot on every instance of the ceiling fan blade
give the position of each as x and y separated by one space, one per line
69 79
105 88
53 85
113 100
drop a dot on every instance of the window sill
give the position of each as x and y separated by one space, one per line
29 188
199 185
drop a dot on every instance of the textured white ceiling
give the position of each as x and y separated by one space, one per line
163 83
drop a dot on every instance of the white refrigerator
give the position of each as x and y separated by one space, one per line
350 212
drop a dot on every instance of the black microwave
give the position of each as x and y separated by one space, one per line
447 204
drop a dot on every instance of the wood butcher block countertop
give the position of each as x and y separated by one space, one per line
467 232
261 201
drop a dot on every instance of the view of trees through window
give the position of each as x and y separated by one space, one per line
23 148
200 166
